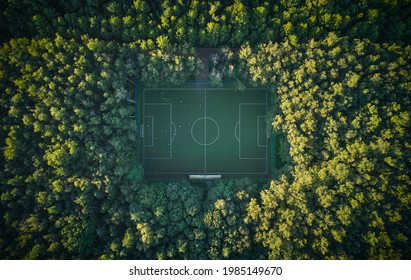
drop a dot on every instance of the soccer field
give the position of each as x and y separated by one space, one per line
199 130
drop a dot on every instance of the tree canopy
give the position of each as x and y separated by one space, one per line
71 182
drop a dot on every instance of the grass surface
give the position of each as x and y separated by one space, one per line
195 129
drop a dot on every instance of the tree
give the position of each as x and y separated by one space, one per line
341 198
71 185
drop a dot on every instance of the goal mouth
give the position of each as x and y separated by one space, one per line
205 176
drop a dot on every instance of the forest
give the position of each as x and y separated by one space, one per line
72 187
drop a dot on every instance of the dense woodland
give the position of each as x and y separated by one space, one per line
71 184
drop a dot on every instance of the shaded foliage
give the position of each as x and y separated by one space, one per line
345 110
71 185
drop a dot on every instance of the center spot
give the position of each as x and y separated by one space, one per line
205 131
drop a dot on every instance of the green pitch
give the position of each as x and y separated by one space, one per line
196 129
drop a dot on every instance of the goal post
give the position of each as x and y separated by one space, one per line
142 131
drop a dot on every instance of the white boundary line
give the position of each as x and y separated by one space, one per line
205 121
170 131
211 89
205 131
144 142
235 131
199 172
152 130
266 140
158 104
175 131
198 88
239 131
258 132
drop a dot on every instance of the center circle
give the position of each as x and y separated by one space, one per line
205 131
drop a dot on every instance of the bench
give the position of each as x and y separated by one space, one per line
204 176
